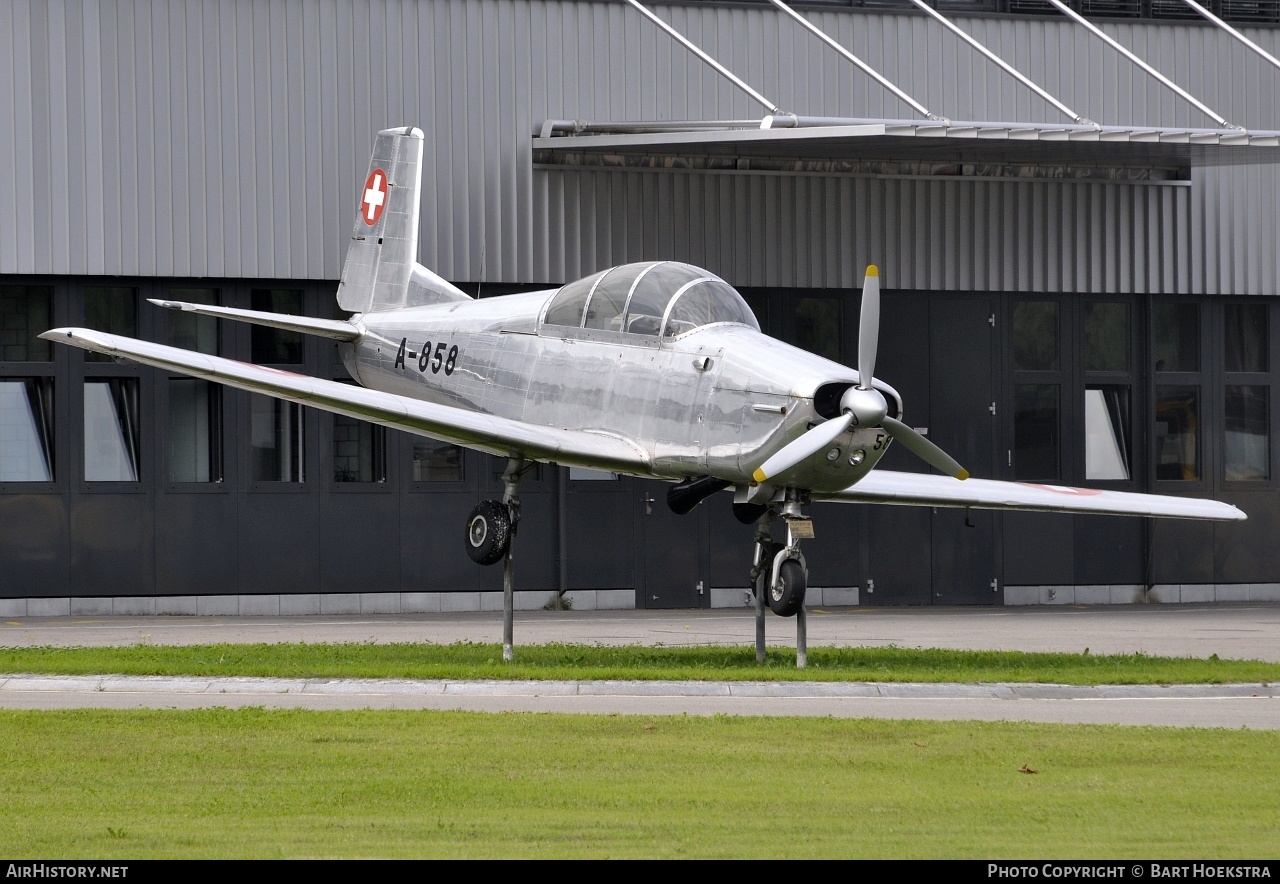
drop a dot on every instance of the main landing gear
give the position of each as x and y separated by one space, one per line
491 530
780 575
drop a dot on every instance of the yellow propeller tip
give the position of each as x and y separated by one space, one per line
962 475
873 270
759 476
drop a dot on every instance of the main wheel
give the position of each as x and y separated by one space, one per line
488 532
787 598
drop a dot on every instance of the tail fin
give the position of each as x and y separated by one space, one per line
381 271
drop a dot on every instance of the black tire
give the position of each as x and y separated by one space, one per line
787 598
488 534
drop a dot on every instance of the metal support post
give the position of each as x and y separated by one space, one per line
802 638
516 468
762 566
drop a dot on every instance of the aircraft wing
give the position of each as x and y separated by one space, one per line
920 489
495 435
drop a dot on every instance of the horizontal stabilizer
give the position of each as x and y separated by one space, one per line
919 489
496 435
325 328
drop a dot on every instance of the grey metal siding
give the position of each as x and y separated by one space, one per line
225 137
817 231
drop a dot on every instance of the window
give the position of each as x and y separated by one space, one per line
191 331
435 461
271 346
195 430
1176 336
1177 432
276 440
359 450
1035 431
25 312
1248 437
26 430
1176 345
1037 391
1247 394
1108 432
1108 394
111 309
111 431
1035 336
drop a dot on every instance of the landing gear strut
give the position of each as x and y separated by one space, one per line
491 530
780 575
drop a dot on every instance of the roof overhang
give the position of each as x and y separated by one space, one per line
913 141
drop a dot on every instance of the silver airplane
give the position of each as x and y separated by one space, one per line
655 369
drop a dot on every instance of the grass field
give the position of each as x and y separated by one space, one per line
281 784
250 783
634 662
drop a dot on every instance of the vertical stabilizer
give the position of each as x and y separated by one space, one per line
382 258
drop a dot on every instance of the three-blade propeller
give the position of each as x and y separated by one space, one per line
861 405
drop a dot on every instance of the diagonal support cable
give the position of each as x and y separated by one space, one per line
866 68
711 62
1233 32
1004 65
1098 32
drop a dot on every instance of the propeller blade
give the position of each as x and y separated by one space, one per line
923 448
869 327
798 449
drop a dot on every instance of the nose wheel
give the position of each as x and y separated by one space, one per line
780 576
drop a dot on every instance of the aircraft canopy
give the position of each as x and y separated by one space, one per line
651 298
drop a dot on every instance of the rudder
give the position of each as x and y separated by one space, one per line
381 270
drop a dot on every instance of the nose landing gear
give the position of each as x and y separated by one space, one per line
780 575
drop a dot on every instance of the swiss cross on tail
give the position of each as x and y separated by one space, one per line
375 197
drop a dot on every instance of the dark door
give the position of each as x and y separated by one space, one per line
675 569
962 403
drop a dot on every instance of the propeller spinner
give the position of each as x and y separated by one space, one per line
861 405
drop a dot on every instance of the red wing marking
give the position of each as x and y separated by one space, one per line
1064 489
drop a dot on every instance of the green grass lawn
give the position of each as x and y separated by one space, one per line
254 783
634 662
105 784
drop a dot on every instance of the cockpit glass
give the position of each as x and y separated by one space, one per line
566 306
608 301
705 302
634 298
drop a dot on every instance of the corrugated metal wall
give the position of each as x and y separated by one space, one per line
226 137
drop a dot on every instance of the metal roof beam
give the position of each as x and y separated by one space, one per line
1233 32
1008 68
710 62
1098 32
866 68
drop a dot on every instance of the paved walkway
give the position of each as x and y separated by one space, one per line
1241 632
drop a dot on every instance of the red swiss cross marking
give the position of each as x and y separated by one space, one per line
375 197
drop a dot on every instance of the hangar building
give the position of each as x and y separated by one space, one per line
1079 259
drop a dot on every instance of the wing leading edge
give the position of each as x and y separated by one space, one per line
484 432
919 489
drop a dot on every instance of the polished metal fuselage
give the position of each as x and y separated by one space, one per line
715 401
